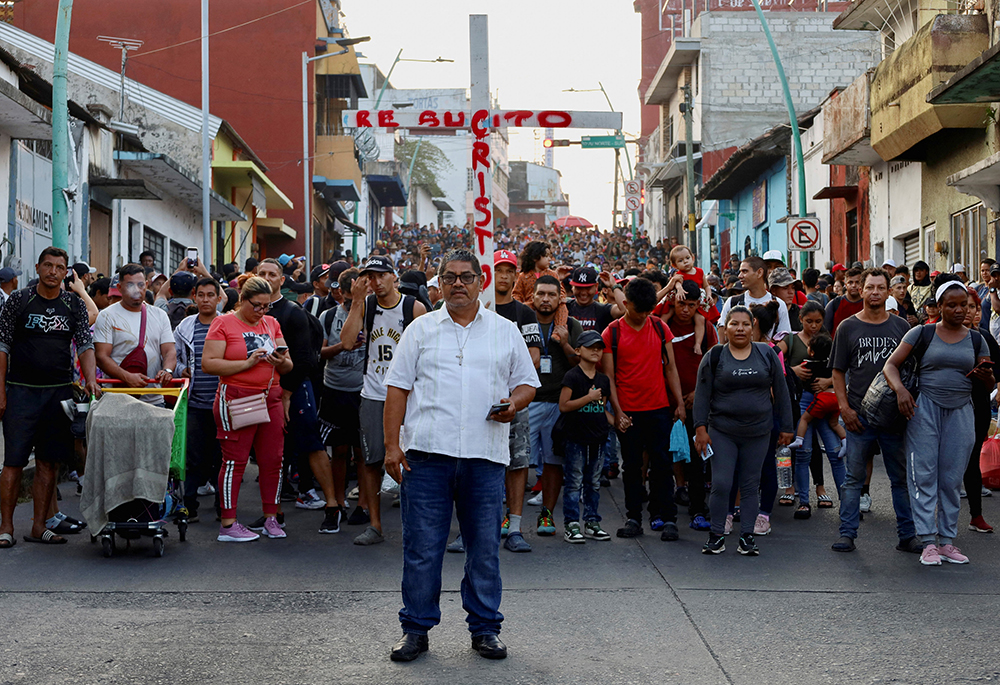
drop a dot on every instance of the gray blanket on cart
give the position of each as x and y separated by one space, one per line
128 455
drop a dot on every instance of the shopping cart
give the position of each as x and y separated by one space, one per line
144 518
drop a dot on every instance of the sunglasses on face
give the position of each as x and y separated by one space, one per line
449 278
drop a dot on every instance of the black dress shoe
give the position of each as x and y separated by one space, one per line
409 647
489 646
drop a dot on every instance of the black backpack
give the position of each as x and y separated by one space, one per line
371 302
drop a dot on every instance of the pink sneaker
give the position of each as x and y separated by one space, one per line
953 555
272 529
930 555
762 526
237 533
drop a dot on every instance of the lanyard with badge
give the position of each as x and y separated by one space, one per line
545 363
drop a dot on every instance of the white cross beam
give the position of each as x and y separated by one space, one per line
480 120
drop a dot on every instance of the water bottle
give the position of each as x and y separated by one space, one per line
784 467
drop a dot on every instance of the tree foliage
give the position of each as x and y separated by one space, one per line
430 166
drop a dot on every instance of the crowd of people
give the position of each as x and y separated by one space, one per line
603 356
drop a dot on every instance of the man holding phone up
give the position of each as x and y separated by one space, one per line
449 370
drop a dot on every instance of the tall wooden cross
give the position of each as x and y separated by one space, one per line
481 121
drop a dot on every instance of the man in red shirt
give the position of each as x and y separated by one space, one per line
846 305
682 327
636 348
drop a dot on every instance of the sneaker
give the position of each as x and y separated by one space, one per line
605 483
331 521
699 522
537 487
593 530
309 500
456 546
505 526
272 529
911 545
358 517
930 556
515 543
573 534
762 526
545 524
369 537
979 525
632 529
962 494
237 532
73 476
613 470
952 554
716 544
796 443
729 525
670 532
535 501
354 493
748 547
656 524
206 489
987 492
258 525
866 503
681 496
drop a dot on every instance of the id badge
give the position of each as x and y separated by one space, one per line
545 365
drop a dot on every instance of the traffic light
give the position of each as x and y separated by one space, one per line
552 142
642 196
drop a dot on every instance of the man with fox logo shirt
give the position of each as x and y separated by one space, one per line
38 327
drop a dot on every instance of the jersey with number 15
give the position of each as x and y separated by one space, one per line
382 340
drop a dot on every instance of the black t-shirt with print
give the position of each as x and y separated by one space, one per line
588 425
594 317
524 318
37 334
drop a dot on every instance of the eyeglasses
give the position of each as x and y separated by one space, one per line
261 307
449 278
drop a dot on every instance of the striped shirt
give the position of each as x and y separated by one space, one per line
203 385
454 375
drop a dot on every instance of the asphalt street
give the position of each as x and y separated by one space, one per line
317 609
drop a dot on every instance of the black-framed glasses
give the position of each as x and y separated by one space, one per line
449 278
264 308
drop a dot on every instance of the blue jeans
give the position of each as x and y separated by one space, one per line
609 452
433 485
859 445
542 416
581 471
803 455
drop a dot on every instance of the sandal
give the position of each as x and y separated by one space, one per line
824 502
786 500
47 538
803 512
7 541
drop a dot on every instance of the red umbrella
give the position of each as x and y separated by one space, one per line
572 222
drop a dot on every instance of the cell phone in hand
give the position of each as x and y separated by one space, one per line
192 257
498 408
986 365
281 349
707 454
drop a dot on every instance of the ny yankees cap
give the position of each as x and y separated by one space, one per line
584 277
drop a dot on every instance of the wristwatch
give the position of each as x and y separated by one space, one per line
617 286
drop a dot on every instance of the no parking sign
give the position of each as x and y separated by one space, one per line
803 233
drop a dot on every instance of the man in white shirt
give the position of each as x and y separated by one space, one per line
449 369
753 276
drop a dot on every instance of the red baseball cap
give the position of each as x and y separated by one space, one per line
838 267
504 257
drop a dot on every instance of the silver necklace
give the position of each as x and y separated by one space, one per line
461 345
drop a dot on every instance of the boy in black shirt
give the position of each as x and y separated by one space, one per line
583 401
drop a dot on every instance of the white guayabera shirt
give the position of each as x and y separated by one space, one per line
451 397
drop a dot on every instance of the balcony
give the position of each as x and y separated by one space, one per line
847 126
683 54
901 117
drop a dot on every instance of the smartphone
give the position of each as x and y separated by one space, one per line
192 257
497 408
707 454
985 364
281 349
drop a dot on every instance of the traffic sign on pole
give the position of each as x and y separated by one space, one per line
632 187
633 190
632 203
803 233
602 141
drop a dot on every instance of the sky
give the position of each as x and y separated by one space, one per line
537 50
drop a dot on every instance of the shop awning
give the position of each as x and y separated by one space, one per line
337 189
167 175
388 190
832 192
276 227
979 81
344 221
442 206
244 174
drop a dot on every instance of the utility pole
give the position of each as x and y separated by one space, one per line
689 154
60 128
614 212
206 151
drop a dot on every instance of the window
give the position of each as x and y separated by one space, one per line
153 242
969 237
668 134
177 254
853 238
930 236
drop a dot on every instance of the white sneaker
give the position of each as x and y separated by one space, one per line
309 500
866 503
962 494
206 489
536 501
987 492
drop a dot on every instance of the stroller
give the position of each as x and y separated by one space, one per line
145 512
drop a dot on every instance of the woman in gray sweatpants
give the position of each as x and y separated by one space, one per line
942 428
741 389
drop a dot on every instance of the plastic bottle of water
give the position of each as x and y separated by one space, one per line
784 456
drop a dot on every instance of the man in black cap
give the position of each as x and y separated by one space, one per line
86 272
175 297
8 283
320 300
593 315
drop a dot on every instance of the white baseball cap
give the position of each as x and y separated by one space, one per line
891 305
434 283
889 262
958 268
774 255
